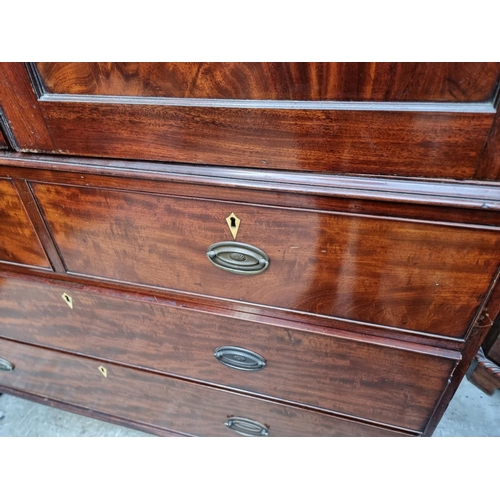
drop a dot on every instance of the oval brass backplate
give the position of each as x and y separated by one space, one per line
239 358
6 366
238 258
247 427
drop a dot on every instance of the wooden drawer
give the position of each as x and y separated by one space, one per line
19 243
367 377
413 275
157 400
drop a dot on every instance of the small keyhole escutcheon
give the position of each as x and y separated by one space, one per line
233 223
67 299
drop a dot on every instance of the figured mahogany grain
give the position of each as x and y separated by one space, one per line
18 240
488 168
441 82
377 382
482 325
436 140
19 105
405 274
158 400
36 219
407 143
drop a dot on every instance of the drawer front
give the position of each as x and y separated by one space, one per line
398 385
18 241
158 400
419 276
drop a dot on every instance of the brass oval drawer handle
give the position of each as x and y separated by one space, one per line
5 366
239 358
238 258
247 427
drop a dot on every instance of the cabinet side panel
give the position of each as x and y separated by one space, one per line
19 242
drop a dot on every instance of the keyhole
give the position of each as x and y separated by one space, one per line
233 223
67 299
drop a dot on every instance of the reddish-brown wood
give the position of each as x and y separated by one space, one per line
92 414
158 400
280 318
18 241
22 115
31 208
489 164
483 322
380 290
484 371
426 199
396 385
409 275
444 82
408 143
419 139
484 374
3 142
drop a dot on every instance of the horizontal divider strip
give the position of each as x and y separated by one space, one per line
463 194
421 107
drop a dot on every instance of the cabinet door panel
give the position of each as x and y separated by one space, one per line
315 117
443 82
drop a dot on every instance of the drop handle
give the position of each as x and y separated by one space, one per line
238 258
247 427
6 366
239 358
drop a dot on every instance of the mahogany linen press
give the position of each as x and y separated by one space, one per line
258 249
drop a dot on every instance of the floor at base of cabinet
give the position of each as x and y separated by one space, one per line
471 413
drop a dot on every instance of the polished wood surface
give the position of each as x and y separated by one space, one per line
425 139
86 412
3 142
484 374
403 274
489 165
21 113
381 287
435 82
329 372
483 322
484 371
18 241
423 199
158 400
39 225
407 143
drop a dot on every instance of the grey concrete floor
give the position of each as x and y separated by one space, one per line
471 413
